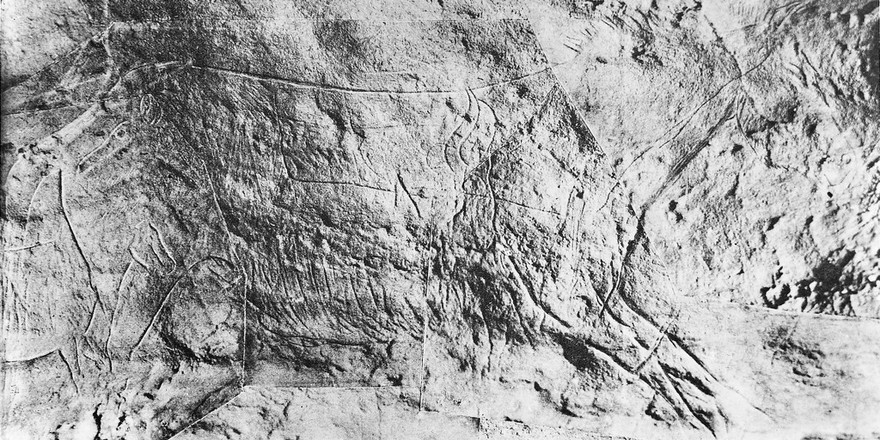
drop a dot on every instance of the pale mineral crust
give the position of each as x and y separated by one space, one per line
345 219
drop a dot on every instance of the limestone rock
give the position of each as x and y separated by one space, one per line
347 219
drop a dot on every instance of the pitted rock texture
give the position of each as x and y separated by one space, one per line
352 219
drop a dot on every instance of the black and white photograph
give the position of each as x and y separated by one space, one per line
440 219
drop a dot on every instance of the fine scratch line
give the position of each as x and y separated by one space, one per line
343 89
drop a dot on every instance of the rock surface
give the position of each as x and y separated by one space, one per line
401 219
